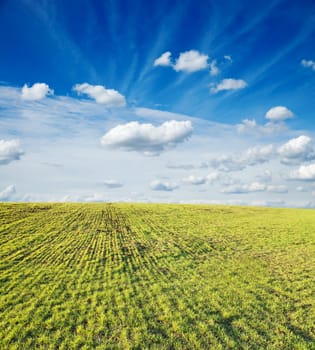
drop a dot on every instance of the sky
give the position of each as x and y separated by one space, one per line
158 101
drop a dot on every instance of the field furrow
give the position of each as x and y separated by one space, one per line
127 276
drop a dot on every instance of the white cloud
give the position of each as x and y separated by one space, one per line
250 126
266 176
308 64
226 163
201 180
301 189
191 61
213 176
112 183
298 149
9 151
7 193
214 70
36 92
303 173
255 187
107 97
195 180
246 125
159 185
279 113
252 187
258 154
228 84
277 188
163 60
147 138
228 58
180 166
252 156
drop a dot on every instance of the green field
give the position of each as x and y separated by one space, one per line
149 276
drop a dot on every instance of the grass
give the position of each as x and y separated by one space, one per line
148 276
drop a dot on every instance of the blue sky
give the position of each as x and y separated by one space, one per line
159 90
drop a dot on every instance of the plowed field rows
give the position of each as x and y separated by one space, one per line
136 276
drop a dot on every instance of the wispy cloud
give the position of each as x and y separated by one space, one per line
111 183
7 194
308 64
228 84
163 60
10 150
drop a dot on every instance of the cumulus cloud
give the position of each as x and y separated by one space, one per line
246 188
258 154
112 183
226 163
308 64
276 117
147 138
279 113
297 149
250 126
164 60
159 185
107 97
254 187
252 156
303 173
195 180
214 70
9 151
201 180
7 193
191 61
228 84
188 61
36 92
